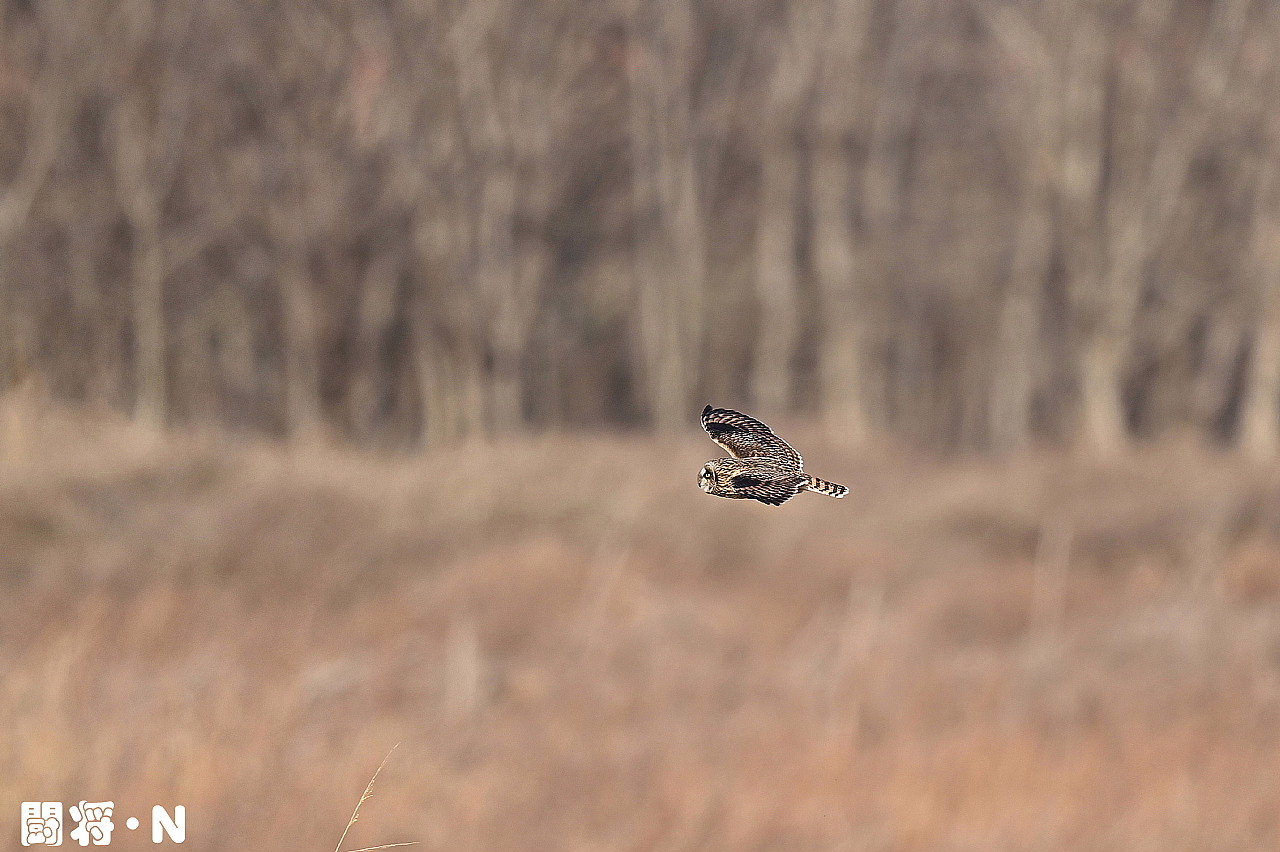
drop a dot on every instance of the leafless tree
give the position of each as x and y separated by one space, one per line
980 224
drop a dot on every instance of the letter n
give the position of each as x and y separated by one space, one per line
162 824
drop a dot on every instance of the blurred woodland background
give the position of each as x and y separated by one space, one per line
350 359
974 224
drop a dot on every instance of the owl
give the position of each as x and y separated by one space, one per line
764 467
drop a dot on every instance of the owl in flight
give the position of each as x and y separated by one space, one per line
764 467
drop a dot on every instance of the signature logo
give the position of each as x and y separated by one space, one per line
42 823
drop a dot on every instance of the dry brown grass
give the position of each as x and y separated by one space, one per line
586 653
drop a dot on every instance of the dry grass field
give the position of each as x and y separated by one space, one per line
578 650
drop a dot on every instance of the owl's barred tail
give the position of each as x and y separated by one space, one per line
830 489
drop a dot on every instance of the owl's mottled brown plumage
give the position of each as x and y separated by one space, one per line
764 467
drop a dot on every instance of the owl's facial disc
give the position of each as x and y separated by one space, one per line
705 478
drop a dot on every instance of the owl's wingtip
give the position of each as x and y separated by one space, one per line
706 410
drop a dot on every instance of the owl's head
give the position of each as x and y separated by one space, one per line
707 477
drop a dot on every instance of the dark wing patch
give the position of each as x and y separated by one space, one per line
745 437
774 491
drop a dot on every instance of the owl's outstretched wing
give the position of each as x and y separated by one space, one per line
745 437
774 488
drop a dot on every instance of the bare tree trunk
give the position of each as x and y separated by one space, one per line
437 421
1120 162
374 316
498 283
1214 386
845 95
1013 378
50 102
1012 382
1260 414
666 369
237 362
1260 417
506 120
139 200
1103 420
151 405
670 256
779 324
841 359
304 417
794 55
1144 193
147 130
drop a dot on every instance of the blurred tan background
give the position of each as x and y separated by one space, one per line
350 359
